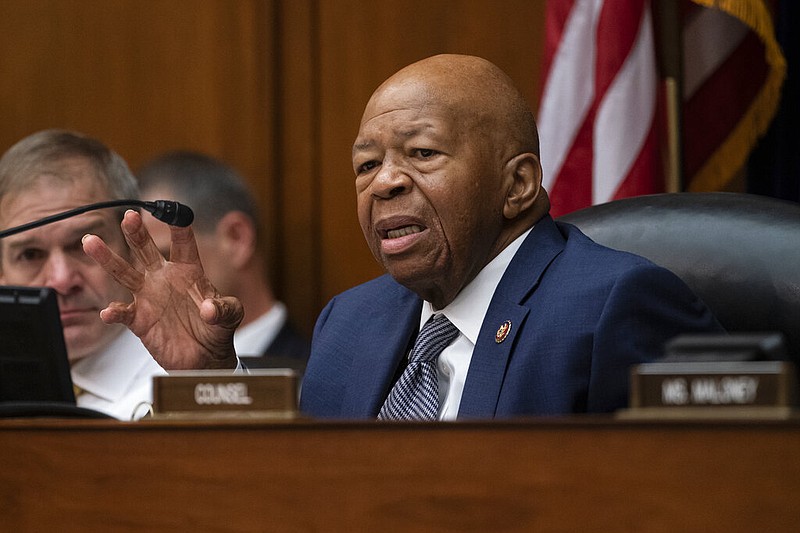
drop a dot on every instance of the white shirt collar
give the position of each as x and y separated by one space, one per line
110 373
469 308
254 338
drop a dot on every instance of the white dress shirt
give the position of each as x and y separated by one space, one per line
253 339
119 380
466 313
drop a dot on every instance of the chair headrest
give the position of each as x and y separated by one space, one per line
739 252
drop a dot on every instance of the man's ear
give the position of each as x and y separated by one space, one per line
525 175
236 234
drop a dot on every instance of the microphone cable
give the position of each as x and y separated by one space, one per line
171 212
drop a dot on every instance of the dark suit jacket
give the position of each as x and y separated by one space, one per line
581 315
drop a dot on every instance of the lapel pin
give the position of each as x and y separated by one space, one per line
502 332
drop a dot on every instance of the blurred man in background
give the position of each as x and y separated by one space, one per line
232 250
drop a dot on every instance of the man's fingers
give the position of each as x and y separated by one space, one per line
117 313
184 245
225 312
140 242
112 263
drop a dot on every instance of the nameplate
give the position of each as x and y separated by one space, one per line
260 393
736 388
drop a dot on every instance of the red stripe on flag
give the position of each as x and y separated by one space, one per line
644 176
618 28
572 188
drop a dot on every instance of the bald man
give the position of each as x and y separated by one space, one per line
451 203
539 320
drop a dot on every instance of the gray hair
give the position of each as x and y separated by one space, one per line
44 152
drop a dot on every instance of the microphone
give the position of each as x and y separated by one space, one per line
173 213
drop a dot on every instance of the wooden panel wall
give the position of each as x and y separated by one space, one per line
275 87
142 76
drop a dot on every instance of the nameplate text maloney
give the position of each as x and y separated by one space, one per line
713 384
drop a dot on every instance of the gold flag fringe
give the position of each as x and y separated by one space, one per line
732 154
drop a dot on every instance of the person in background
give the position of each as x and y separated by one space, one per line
232 250
53 171
489 308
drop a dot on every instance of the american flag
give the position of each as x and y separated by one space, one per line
733 70
601 115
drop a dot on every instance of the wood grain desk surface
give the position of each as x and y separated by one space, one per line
571 474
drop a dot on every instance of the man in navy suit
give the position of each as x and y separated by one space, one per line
450 202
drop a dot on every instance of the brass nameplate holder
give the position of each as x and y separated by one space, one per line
713 389
269 393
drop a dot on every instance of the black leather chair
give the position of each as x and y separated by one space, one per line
739 252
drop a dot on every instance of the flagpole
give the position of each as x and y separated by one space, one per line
674 180
670 53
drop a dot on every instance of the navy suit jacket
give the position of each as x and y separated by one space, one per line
581 314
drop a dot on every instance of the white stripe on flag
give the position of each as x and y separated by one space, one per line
625 116
569 89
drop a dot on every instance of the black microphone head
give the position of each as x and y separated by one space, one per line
173 213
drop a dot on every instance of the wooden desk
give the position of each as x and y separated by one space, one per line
552 475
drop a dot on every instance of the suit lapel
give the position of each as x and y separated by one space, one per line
490 357
489 360
379 351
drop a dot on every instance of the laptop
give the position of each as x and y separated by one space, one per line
34 370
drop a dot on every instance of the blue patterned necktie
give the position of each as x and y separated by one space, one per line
415 396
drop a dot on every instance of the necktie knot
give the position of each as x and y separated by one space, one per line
432 339
415 396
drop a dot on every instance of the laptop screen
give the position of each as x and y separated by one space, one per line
33 357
